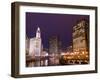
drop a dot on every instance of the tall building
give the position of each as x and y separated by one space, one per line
81 36
35 44
35 47
54 50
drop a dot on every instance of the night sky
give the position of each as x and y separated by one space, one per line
60 25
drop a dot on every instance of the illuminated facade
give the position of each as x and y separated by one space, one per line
35 47
80 36
35 44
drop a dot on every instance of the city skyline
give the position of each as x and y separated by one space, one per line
77 53
60 25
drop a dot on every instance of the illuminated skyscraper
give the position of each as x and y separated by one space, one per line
80 36
38 44
36 47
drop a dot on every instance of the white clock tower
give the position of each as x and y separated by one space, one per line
36 47
38 44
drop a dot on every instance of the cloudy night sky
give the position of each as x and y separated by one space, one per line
60 25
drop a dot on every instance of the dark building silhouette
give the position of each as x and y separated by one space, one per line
54 50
